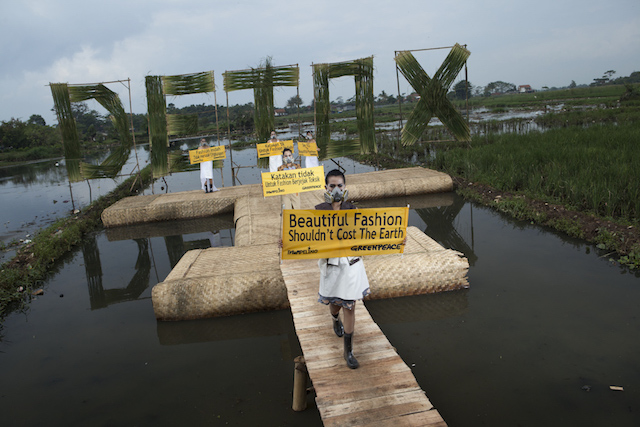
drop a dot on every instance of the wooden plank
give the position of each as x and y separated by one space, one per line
382 391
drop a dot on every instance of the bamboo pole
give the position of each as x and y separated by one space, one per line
399 100
133 135
215 100
233 178
313 78
299 385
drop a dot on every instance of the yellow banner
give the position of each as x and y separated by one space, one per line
206 154
308 234
292 181
273 148
309 149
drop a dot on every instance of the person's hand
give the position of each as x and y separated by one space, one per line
404 242
280 243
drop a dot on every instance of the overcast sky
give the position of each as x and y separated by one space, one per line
541 43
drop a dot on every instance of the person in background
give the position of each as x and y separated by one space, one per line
276 160
206 171
343 280
310 161
290 201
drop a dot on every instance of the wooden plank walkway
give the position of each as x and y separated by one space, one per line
381 392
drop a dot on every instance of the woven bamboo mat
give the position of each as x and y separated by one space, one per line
197 204
240 279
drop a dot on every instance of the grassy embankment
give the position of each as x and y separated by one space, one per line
33 262
593 170
587 163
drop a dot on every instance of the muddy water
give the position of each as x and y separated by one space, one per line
545 317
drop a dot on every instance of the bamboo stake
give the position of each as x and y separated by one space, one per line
299 385
133 135
233 178
215 100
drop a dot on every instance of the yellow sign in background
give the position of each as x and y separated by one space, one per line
308 234
273 148
292 181
309 149
206 154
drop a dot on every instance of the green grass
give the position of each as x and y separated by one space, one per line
578 96
624 114
592 169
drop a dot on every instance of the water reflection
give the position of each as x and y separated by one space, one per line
438 214
99 297
221 329
419 308
29 173
440 227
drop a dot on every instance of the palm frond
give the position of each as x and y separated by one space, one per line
433 95
68 130
263 112
156 110
182 124
262 80
186 84
364 106
110 100
323 107
343 148
362 70
451 66
179 162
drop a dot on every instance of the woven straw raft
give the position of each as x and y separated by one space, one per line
247 277
196 204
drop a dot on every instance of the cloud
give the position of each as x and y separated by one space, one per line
539 43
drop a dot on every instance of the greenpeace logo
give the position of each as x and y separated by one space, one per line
302 251
312 187
385 247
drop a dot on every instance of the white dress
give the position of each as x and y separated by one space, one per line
206 173
310 162
340 279
275 161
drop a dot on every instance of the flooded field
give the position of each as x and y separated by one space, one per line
546 327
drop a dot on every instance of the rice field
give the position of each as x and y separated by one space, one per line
594 169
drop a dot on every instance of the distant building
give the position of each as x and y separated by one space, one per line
414 97
525 89
280 112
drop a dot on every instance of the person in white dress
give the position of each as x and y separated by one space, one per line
206 171
274 161
343 280
310 161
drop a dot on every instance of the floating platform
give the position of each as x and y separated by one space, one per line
197 204
246 277
232 280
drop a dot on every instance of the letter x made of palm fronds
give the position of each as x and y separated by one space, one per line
433 95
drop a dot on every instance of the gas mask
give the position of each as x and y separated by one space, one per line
288 159
336 195
309 137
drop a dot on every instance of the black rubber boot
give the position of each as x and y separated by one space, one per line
337 325
352 362
206 189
